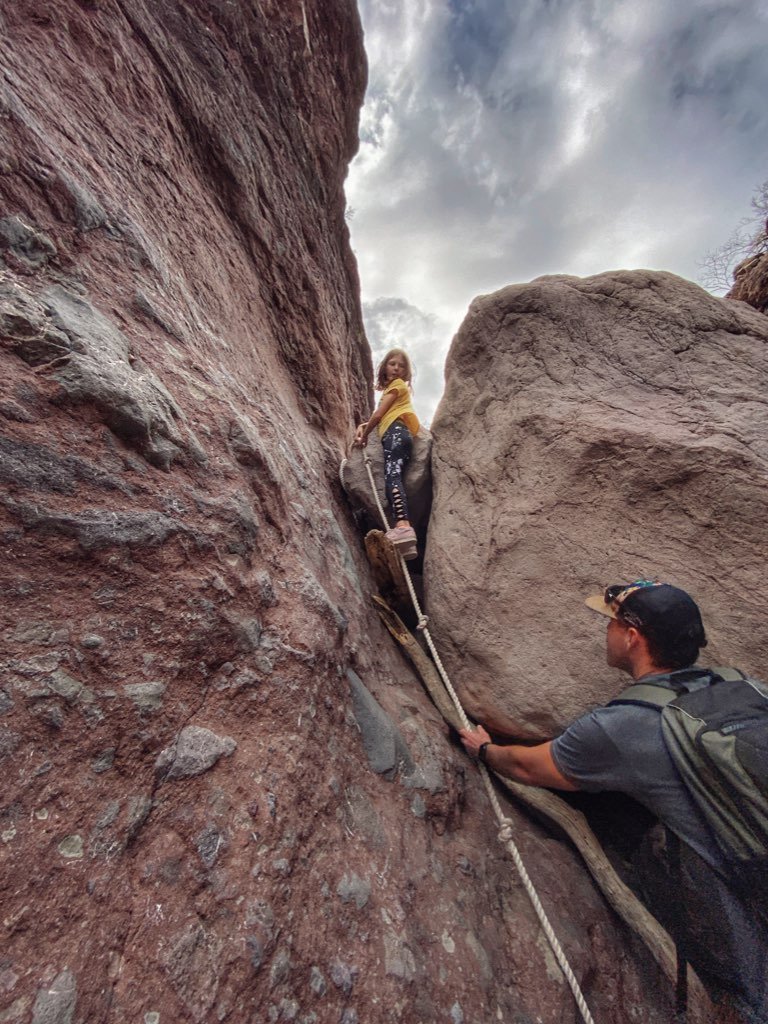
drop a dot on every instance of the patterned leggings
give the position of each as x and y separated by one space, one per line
397 443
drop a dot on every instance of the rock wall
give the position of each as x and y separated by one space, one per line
592 432
750 281
225 796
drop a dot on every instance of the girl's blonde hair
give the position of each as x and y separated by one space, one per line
381 373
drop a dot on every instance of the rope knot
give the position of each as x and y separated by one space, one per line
422 623
507 831
366 457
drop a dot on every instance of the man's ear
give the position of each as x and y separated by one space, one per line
632 638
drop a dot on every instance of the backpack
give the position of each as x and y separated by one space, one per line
715 726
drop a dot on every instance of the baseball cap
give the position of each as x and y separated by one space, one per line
659 608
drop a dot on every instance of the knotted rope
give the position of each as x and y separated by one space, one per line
506 825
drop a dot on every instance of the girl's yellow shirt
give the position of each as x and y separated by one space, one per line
401 410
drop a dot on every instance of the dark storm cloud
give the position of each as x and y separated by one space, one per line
503 140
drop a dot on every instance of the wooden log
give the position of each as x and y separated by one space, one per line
387 570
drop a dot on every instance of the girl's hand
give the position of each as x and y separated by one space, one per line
361 438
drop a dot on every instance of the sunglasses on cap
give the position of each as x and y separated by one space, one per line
617 593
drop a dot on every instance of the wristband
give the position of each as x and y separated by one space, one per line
481 751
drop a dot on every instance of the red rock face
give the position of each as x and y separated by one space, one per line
203 816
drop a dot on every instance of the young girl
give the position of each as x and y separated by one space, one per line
397 423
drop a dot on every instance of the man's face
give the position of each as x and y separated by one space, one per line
616 648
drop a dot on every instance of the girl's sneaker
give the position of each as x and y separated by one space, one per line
403 539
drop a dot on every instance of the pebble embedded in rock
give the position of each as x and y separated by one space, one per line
289 1009
196 750
56 1004
65 685
255 947
147 697
317 981
71 847
139 808
108 816
343 976
281 967
384 745
33 247
92 641
103 761
209 845
353 889
418 807
9 741
457 1014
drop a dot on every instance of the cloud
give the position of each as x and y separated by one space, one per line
393 323
504 141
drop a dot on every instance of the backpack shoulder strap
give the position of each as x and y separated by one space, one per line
662 689
728 675
646 695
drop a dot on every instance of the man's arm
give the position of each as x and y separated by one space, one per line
533 766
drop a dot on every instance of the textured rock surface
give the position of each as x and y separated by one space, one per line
594 431
750 282
183 363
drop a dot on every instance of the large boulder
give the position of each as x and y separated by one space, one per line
593 431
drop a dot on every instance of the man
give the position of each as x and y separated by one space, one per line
654 629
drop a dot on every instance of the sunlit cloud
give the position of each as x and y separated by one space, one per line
393 323
500 142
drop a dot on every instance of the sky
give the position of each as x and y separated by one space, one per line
501 141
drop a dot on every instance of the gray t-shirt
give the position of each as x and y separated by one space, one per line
622 749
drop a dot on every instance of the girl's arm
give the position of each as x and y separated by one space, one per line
362 432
